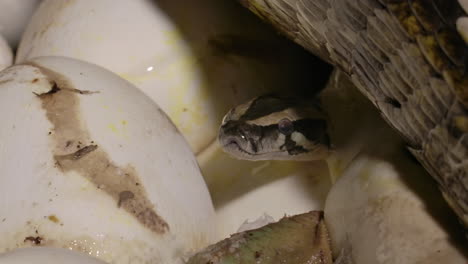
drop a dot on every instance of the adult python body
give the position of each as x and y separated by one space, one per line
409 58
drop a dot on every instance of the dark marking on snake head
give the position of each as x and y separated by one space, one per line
265 105
253 145
291 147
314 130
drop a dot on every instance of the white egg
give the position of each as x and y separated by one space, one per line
464 4
92 164
389 211
196 62
246 191
383 207
462 27
44 255
6 56
14 16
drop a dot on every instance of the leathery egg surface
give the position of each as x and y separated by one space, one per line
6 56
14 16
45 255
91 164
388 212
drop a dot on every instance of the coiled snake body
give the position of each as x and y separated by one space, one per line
409 58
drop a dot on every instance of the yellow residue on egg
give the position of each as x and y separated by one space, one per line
180 71
113 128
365 174
380 176
87 185
336 168
119 129
188 93
53 218
173 37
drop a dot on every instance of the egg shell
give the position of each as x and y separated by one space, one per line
247 191
44 255
388 211
14 16
196 62
6 56
462 27
90 163
464 4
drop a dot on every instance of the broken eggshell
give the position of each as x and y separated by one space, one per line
92 164
244 191
6 56
388 212
195 69
44 255
299 239
462 21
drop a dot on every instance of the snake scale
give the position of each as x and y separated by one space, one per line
408 58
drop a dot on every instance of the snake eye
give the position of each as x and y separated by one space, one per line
285 126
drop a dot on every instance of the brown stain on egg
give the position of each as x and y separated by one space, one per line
53 218
75 151
37 240
5 81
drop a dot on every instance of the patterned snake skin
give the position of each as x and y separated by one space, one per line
407 57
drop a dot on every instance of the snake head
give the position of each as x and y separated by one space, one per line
271 127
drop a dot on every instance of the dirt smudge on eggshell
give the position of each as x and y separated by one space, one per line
34 240
53 218
74 150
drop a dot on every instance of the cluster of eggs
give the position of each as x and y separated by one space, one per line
91 154
109 119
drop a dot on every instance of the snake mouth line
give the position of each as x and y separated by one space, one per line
236 145
241 150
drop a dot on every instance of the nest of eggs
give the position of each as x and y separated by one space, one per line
110 113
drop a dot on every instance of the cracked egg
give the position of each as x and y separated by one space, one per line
91 164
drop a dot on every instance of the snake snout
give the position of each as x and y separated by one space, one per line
233 144
232 141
